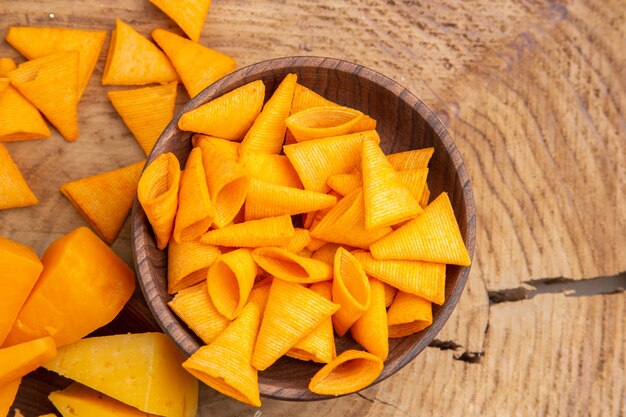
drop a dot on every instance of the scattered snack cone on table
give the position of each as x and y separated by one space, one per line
14 191
189 15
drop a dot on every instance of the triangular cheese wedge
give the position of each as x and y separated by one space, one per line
189 15
319 345
349 372
195 209
267 134
79 400
18 360
36 42
345 223
351 290
197 66
433 237
134 60
194 306
413 159
7 396
387 200
316 160
292 312
408 314
51 84
272 231
370 330
141 370
188 264
105 200
228 116
19 270
268 200
146 111
224 365
19 119
14 191
271 168
425 279
157 192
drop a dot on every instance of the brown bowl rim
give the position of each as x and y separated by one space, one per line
166 318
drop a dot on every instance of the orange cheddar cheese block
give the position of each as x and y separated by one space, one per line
141 370
19 269
82 287
80 401
16 361
134 60
35 42
7 396
51 84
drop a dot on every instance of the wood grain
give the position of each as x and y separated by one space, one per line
404 123
532 91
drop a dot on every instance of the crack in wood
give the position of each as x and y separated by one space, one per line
571 288
378 400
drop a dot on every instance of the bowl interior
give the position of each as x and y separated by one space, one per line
404 123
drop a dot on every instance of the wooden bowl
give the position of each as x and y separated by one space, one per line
404 123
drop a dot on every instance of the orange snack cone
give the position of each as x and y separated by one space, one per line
304 98
349 372
319 345
408 314
14 191
95 285
291 313
145 111
228 184
413 159
345 223
195 209
51 84
158 194
272 231
299 241
230 281
18 360
344 184
351 290
188 264
370 330
224 365
19 270
228 116
290 267
268 200
4 83
316 160
227 148
105 200
6 65
268 130
36 42
387 199
425 196
434 237
415 181
134 60
271 168
390 294
197 66
7 396
326 253
425 279
194 306
19 120
322 122
189 15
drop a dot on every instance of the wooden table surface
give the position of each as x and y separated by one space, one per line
534 94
